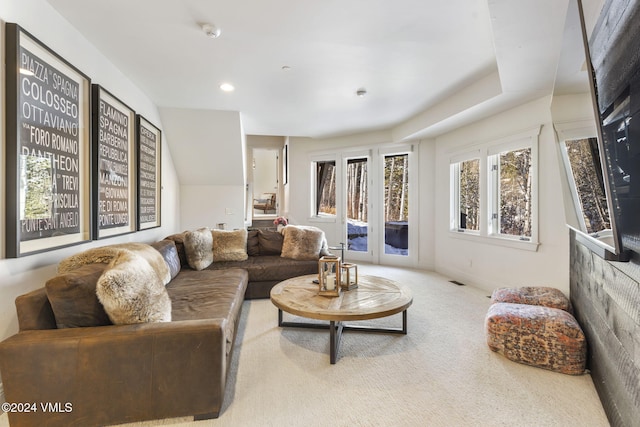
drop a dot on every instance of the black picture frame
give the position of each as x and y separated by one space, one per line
149 142
114 165
285 164
48 148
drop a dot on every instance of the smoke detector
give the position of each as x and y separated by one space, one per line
211 31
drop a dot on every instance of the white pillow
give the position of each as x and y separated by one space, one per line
198 247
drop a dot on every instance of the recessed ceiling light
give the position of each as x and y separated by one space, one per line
361 92
286 68
227 87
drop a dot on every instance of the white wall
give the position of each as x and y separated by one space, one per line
207 146
209 205
18 276
265 174
209 151
487 265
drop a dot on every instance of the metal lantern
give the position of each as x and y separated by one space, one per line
349 276
329 276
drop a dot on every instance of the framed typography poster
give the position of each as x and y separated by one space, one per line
149 174
48 138
114 165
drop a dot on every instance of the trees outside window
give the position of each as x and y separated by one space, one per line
469 195
494 191
325 176
396 204
584 161
514 193
357 204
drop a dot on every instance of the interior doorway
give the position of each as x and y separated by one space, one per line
266 192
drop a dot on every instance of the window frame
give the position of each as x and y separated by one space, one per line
493 167
488 152
454 180
315 216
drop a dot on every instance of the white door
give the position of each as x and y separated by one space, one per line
356 221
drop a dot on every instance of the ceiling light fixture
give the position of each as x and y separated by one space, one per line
211 31
227 87
361 92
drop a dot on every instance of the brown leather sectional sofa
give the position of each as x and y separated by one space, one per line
90 372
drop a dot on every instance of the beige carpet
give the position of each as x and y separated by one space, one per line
440 374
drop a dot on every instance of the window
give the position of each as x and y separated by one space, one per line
465 178
494 191
584 162
512 178
325 188
396 204
357 204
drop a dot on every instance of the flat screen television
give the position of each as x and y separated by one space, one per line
613 62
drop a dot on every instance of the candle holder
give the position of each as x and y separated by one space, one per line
349 276
329 276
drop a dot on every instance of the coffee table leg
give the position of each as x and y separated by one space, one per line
335 337
404 322
336 328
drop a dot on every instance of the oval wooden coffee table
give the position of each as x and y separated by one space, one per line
375 297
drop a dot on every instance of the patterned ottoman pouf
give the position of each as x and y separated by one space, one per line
545 337
533 295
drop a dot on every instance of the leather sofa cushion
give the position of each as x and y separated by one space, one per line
253 243
269 267
34 311
270 242
206 294
72 296
178 239
167 249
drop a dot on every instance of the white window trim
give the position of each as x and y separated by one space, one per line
569 131
313 159
454 180
391 150
487 151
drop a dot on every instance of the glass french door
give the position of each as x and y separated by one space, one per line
396 204
356 208
376 207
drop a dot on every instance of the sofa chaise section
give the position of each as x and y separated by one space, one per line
113 374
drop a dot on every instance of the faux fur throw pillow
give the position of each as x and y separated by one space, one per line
198 246
303 242
131 291
106 254
229 245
